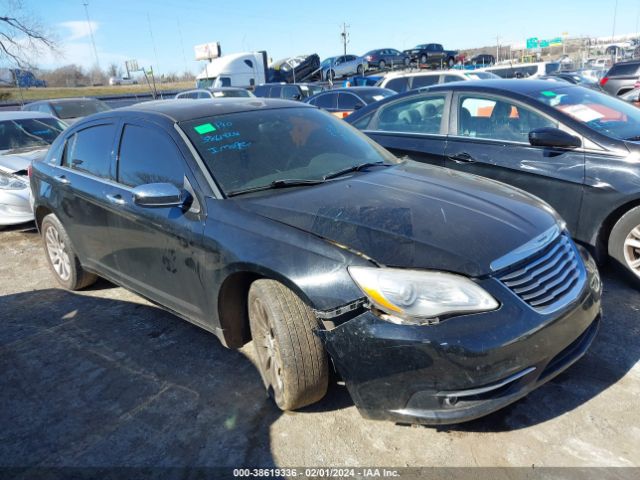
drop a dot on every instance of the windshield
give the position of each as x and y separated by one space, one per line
205 82
79 108
253 149
31 132
481 76
603 113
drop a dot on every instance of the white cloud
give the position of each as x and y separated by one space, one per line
78 29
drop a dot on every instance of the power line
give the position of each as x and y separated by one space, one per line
345 36
93 42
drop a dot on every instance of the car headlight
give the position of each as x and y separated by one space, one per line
11 182
418 297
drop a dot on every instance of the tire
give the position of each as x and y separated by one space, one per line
624 242
291 359
407 62
382 65
423 59
359 70
62 260
451 62
330 75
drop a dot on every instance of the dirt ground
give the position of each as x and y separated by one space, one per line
103 378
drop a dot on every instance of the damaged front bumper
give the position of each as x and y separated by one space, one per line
464 367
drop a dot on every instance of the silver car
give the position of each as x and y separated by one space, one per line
24 137
343 66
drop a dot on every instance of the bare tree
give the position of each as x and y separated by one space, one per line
21 35
113 70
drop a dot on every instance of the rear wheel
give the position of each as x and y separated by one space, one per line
451 62
423 59
62 259
382 65
291 359
330 75
407 61
624 242
360 70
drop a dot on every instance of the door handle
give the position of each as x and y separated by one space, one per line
62 179
115 198
462 157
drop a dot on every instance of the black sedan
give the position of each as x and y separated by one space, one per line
386 58
573 147
439 297
342 102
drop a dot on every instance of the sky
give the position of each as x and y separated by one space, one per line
162 33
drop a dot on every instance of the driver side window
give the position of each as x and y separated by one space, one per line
498 119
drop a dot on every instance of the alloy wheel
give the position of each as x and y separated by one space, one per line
632 250
58 254
267 348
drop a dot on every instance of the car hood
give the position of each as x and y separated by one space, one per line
20 160
413 216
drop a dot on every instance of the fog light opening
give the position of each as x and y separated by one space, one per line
450 401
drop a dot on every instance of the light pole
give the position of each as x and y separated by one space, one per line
93 42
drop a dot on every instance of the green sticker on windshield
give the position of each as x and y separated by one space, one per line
204 128
548 93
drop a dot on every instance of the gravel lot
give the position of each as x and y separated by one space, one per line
103 378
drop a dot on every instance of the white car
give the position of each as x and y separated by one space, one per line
24 137
343 66
122 81
403 81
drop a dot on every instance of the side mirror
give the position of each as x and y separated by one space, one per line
158 195
553 137
358 106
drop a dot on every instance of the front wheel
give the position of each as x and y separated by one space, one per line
382 65
330 75
624 242
407 62
292 361
451 62
360 70
423 59
63 261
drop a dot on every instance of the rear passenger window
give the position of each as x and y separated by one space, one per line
398 85
326 101
424 81
261 91
347 101
148 156
275 92
89 150
418 114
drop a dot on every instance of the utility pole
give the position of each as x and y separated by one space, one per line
345 37
497 48
93 42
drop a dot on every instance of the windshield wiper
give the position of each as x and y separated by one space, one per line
355 168
284 183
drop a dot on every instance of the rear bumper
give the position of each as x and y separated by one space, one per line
465 367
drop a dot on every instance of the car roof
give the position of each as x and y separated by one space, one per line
184 109
68 100
521 86
22 114
355 89
424 74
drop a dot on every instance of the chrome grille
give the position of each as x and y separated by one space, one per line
548 279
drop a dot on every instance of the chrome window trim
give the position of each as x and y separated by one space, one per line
198 159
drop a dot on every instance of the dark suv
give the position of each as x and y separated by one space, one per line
288 91
436 295
621 78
